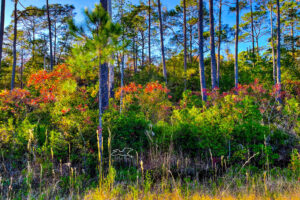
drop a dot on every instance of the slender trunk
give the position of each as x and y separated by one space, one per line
122 61
236 77
50 35
149 30
162 42
104 68
22 66
184 38
272 44
201 56
191 44
219 43
212 45
100 127
55 40
134 55
2 29
278 52
122 81
143 48
33 44
111 71
252 32
111 77
103 92
14 47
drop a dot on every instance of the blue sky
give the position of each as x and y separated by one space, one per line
228 18
79 5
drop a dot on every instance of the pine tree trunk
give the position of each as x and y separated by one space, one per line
100 127
22 66
184 38
272 44
278 52
149 30
14 47
191 44
219 44
143 48
236 77
212 45
50 35
104 70
201 56
122 61
54 48
2 29
252 32
162 42
111 78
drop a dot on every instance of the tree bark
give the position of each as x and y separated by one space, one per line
191 44
2 29
134 55
252 32
278 52
219 43
184 38
236 77
212 45
162 42
104 71
22 66
272 44
55 41
50 35
149 30
201 56
111 78
143 48
14 46
122 60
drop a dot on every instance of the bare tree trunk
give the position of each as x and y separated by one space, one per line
104 70
50 35
14 46
201 56
184 38
122 60
278 53
236 77
143 48
162 42
252 32
54 48
111 77
272 44
111 71
212 45
103 91
134 55
22 66
219 44
2 29
191 44
100 127
149 30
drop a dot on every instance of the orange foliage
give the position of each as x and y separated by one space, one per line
46 83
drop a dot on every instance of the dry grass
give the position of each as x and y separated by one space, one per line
176 195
